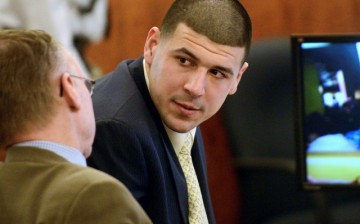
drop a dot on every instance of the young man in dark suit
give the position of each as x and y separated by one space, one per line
146 108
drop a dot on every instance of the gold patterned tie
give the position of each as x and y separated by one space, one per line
197 212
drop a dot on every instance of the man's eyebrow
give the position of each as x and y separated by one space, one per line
186 51
190 54
224 69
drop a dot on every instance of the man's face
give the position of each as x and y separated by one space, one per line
190 76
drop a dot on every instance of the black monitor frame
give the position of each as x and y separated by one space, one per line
297 41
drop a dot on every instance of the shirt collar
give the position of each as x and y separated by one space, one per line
177 139
71 154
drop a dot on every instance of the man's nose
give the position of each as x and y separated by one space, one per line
195 85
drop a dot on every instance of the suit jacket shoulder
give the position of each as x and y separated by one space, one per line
39 186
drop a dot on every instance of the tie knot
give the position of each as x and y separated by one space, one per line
187 144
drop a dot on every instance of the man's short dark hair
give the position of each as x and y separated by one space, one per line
224 22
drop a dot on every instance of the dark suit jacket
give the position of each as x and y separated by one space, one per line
38 186
131 144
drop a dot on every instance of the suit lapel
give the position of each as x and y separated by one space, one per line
179 181
198 154
137 72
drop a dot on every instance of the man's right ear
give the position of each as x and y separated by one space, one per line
151 43
69 91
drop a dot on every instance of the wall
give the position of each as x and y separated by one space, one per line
283 17
130 22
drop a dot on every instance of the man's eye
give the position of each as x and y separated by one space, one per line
184 61
217 73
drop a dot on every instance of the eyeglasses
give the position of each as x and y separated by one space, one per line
89 83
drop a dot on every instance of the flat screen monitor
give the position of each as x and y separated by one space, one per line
327 74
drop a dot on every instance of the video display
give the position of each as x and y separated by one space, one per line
327 70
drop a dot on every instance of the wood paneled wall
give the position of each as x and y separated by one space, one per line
130 21
273 18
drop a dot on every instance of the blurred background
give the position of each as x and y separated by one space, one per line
120 28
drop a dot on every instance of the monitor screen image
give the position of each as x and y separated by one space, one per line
327 110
